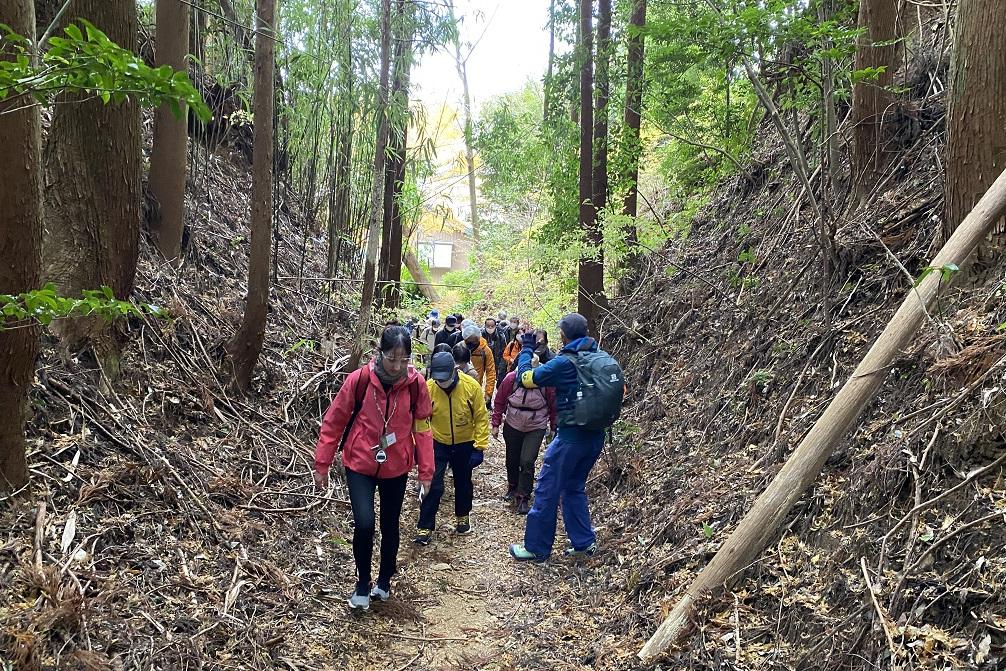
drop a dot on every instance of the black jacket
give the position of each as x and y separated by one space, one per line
444 336
497 343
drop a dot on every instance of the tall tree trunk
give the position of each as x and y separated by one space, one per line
590 272
168 156
20 251
631 144
872 100
976 134
92 191
339 220
377 194
247 343
762 523
549 85
462 68
397 156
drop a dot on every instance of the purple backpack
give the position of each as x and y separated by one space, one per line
527 410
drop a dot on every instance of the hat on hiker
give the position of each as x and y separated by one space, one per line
452 320
442 366
470 331
573 326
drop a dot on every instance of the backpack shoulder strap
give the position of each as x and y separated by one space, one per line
360 394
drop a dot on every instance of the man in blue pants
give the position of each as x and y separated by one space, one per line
568 458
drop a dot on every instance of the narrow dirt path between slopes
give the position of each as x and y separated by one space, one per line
451 603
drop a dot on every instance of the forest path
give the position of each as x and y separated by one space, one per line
451 601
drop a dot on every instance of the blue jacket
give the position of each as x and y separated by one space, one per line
559 372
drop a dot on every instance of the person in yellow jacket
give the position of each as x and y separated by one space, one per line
483 359
460 424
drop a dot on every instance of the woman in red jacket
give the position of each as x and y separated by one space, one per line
380 419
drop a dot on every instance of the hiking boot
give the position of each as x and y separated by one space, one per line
423 537
360 599
464 526
581 554
521 553
381 591
511 491
523 505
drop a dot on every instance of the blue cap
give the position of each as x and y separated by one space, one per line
573 326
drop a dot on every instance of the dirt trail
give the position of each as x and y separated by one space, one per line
450 605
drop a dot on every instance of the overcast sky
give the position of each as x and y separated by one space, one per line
513 48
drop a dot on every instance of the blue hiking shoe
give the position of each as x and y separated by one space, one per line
521 553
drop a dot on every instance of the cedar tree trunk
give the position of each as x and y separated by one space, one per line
20 251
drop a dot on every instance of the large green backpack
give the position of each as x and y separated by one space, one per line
597 401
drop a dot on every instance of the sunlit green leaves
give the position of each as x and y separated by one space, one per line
46 304
87 61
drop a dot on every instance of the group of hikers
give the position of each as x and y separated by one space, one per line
390 417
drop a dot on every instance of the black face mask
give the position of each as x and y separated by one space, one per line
471 347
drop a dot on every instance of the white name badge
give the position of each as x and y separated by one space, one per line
388 439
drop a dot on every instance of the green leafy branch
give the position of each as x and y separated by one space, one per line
88 61
947 271
45 304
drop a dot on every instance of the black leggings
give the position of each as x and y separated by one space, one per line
521 454
361 498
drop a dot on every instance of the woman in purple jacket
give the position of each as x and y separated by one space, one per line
529 414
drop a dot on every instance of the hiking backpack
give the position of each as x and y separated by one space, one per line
597 402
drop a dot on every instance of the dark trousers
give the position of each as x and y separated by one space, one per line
361 498
458 457
521 454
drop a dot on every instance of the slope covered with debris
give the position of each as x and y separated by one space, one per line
733 347
162 526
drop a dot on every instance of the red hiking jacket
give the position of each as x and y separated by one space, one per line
411 426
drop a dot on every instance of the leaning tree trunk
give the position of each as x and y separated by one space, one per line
872 100
376 194
631 146
590 274
168 156
247 343
20 251
420 277
92 191
763 521
976 133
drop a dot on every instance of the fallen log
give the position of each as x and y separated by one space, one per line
765 518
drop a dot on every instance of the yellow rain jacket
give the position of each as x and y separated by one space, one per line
460 416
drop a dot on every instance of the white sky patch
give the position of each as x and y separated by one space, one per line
510 39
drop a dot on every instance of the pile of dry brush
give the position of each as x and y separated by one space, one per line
163 512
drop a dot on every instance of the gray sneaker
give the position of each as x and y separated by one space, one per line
581 554
381 592
360 599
